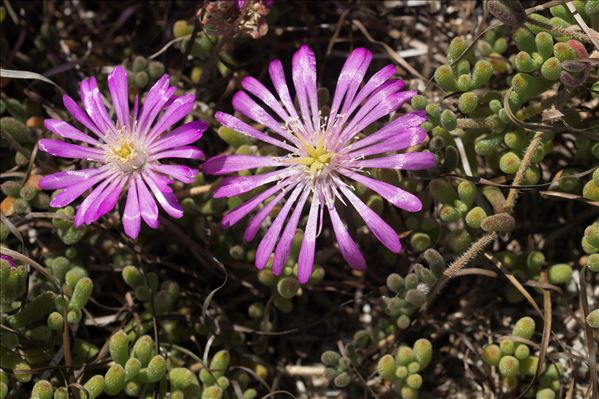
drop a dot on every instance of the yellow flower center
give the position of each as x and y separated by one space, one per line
318 157
124 152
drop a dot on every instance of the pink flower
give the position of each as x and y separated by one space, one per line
323 156
9 260
126 155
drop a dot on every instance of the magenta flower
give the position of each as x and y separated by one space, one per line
125 156
9 259
323 155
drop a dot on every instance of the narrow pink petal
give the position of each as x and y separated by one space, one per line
269 240
119 91
277 76
180 172
80 115
395 195
375 81
401 140
225 164
66 150
395 127
94 105
236 214
256 222
241 127
154 102
178 110
232 186
348 247
186 152
89 201
246 106
67 178
305 262
284 245
67 131
304 80
348 77
132 214
183 135
71 193
166 199
255 87
381 230
106 201
407 161
147 204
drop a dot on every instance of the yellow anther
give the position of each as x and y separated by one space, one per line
124 151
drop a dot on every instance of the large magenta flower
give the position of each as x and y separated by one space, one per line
322 156
125 156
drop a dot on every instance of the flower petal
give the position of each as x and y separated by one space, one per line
236 214
381 230
119 91
375 81
154 102
80 115
395 195
304 79
67 178
269 240
256 222
395 127
89 201
183 135
166 199
255 87
399 141
180 172
236 185
407 161
277 76
305 262
94 105
178 110
225 164
186 152
241 127
66 150
67 131
132 215
348 247
71 193
284 245
147 204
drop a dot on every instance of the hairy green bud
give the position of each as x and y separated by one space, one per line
491 355
509 366
119 347
386 368
593 319
155 370
42 390
524 328
220 363
560 273
94 386
468 102
114 379
143 349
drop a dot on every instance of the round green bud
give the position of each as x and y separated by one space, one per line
288 287
220 363
420 241
419 102
266 278
544 44
509 366
256 311
445 77
459 240
74 275
423 352
416 297
500 222
395 282
414 381
529 365
475 217
237 252
467 192
593 263
119 347
139 64
405 355
468 102
491 355
403 322
180 377
524 62
408 393
516 140
27 193
342 380
596 176
81 293
182 28
143 349
61 393
457 46
212 392
42 390
155 370
11 188
402 372
509 163
563 52
250 393
524 328
141 79
522 352
442 191
132 388
448 120
593 319
435 261
464 82
434 111
590 191
545 393
560 274
449 214
414 367
386 368
330 358
132 368
94 386
535 261
74 316
507 346
482 73
551 69
155 69
114 380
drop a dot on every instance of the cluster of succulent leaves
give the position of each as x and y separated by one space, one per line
507 78
514 358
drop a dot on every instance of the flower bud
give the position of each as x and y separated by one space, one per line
220 363
132 368
81 293
423 352
593 263
420 241
551 69
405 356
522 352
459 240
143 349
114 380
509 366
414 381
491 355
559 274
94 386
119 347
468 102
386 368
501 223
132 276
288 287
155 370
42 390
342 380
419 102
524 328
403 322
212 392
593 319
